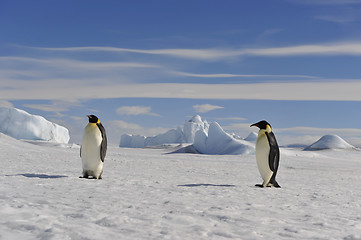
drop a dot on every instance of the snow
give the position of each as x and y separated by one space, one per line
22 125
252 137
148 194
183 134
330 142
206 138
219 142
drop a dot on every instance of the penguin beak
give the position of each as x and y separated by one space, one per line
254 125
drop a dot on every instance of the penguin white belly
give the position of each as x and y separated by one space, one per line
90 150
262 155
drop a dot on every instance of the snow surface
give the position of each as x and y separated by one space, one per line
330 142
183 134
22 125
148 194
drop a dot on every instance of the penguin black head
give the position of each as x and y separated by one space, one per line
93 119
261 124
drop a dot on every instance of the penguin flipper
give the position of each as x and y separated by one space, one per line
104 143
274 153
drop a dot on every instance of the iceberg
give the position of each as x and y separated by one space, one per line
182 134
19 124
218 142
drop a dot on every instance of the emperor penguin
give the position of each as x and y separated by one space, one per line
93 148
267 154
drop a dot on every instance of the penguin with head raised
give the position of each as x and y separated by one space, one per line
93 148
267 154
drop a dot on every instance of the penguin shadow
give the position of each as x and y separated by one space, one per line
205 185
36 175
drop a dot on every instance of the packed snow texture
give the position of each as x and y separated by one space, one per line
330 142
183 134
22 125
147 194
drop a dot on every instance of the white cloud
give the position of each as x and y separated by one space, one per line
55 106
205 108
46 107
228 75
124 125
320 131
197 54
119 127
76 64
213 54
303 50
231 118
7 104
343 90
136 110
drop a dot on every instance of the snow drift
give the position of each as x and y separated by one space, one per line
183 134
330 142
22 125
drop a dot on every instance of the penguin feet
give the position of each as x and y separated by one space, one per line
268 185
259 185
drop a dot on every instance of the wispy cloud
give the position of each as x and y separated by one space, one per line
341 48
205 108
228 75
197 54
120 127
136 110
4 103
344 90
320 131
71 63
46 107
303 50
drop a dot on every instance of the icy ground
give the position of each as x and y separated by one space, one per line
148 194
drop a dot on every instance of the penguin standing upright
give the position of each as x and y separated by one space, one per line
267 154
93 148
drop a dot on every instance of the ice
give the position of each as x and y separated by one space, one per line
330 142
252 137
22 125
184 134
134 141
192 126
205 138
218 142
148 194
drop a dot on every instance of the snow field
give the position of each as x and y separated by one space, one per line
149 194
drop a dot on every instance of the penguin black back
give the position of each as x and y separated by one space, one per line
103 146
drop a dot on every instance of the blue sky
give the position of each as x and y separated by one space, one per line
147 66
